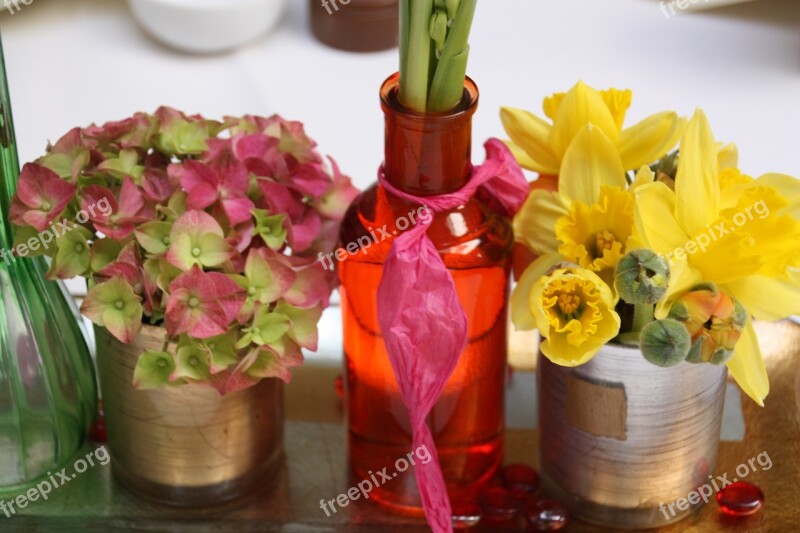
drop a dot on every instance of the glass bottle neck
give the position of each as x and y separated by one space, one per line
428 154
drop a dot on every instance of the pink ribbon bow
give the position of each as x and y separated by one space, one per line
423 324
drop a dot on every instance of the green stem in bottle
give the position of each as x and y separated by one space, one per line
447 87
416 53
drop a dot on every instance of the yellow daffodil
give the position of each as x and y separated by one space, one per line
542 147
720 226
571 307
590 219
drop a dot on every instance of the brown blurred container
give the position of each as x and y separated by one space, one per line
356 25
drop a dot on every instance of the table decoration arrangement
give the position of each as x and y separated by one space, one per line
424 310
200 240
48 393
651 267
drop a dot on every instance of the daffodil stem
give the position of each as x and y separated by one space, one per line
631 338
642 315
434 49
415 56
447 86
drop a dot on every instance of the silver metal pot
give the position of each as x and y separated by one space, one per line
622 439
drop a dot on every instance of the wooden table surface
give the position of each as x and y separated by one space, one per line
316 469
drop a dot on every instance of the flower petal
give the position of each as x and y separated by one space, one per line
618 102
131 200
591 161
339 196
303 324
228 294
747 366
534 225
532 136
152 370
269 273
697 185
655 219
310 288
114 305
196 223
650 139
787 186
41 197
521 315
728 156
581 106
214 250
682 278
524 160
238 208
767 298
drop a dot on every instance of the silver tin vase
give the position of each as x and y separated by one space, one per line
622 439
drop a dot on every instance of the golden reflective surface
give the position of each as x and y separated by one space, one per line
186 445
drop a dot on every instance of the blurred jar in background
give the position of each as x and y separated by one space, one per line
356 25
207 26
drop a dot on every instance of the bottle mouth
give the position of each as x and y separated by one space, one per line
390 102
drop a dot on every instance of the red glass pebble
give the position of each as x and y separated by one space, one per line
499 504
338 384
740 499
520 479
465 514
97 433
546 515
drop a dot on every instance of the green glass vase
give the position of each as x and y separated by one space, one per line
48 393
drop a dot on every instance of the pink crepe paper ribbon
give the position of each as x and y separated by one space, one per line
423 323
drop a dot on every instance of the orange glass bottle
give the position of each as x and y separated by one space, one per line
426 155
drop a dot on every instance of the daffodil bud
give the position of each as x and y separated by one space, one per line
642 277
705 351
714 321
439 30
665 342
452 8
667 166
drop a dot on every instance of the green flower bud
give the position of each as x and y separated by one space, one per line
665 342
642 277
667 167
452 8
439 30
